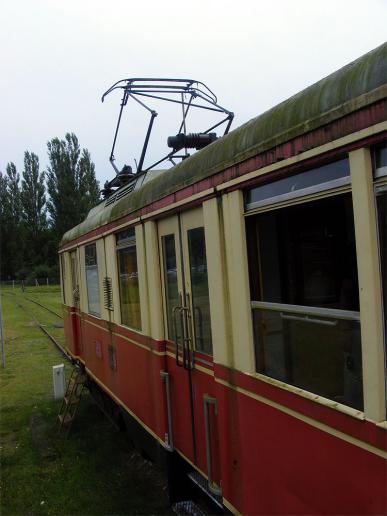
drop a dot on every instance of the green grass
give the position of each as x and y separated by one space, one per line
94 471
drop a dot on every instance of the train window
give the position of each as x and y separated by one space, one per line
304 287
74 278
171 287
92 281
128 279
381 202
63 276
318 179
379 159
199 286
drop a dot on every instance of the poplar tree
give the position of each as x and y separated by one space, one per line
34 210
11 236
71 183
3 223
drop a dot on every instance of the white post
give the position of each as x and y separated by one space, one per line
47 281
13 283
58 378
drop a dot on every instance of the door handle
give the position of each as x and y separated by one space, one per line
175 311
188 334
207 401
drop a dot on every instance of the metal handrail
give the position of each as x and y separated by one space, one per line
165 378
175 310
207 401
332 313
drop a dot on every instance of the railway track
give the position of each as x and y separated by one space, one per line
19 300
43 306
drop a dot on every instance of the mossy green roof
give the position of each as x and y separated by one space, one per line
356 85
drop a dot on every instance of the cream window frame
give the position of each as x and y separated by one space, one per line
371 309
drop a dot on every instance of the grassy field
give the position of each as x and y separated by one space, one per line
94 471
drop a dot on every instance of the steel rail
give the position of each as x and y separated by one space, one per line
37 303
45 307
47 333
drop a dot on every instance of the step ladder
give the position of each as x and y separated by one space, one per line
71 400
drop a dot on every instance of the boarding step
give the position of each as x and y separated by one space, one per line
71 399
187 507
200 482
65 419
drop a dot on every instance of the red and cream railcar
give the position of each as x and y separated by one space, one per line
234 307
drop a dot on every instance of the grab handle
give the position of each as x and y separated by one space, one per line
177 309
207 401
169 438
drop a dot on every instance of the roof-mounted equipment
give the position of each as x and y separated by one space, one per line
190 94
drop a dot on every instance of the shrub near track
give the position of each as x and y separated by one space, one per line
94 471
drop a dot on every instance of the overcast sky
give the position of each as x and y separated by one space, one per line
58 57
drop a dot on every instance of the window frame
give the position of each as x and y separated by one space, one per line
378 172
303 196
380 187
122 244
296 195
88 267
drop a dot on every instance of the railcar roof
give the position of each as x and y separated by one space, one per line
352 87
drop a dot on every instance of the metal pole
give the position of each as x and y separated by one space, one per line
2 332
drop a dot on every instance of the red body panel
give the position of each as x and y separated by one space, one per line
287 466
267 461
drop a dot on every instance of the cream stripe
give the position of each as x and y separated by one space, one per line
138 344
143 346
308 420
204 370
230 507
96 325
357 414
198 367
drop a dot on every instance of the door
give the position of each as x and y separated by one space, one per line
74 279
76 321
188 329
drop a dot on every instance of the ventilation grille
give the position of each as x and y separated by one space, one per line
121 193
107 293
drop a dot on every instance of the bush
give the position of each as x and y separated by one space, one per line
22 274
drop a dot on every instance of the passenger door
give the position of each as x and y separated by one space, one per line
76 320
189 348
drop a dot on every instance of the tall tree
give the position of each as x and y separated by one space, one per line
88 185
11 237
71 183
3 222
34 209
14 198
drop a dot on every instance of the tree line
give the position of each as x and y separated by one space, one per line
37 207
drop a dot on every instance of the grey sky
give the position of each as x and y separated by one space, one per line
57 58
